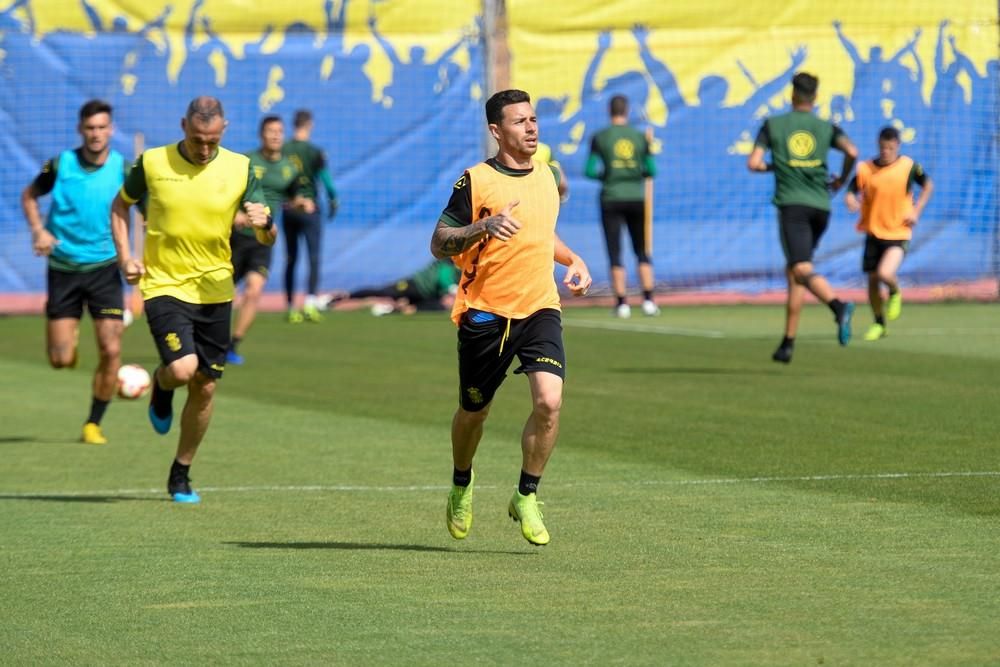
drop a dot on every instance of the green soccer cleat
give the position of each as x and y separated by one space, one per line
524 509
875 332
459 510
894 307
294 316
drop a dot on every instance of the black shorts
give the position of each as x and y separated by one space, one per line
801 228
101 289
632 216
875 248
180 328
249 255
486 349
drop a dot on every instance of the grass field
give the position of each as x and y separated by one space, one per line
706 506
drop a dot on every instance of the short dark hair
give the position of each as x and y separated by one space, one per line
619 105
94 107
889 133
495 105
804 86
204 109
302 117
267 120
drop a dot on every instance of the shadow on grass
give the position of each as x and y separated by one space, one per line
367 546
704 370
95 499
14 439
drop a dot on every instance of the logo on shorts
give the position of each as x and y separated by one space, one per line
475 395
548 360
217 367
173 342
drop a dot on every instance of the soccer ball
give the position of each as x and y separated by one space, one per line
133 381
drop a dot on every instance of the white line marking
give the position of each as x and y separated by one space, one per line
349 488
645 328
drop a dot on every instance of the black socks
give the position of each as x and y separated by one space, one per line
528 484
97 408
462 477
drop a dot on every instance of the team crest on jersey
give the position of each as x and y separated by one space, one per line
624 149
286 173
801 144
258 172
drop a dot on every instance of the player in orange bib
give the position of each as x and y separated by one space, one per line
882 190
500 229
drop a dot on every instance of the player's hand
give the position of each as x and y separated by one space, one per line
240 220
331 211
834 184
503 226
256 214
42 242
853 205
578 278
307 205
132 270
911 219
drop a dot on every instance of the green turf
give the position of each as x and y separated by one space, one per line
707 506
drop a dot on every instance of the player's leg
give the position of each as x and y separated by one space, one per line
482 365
888 269
543 359
63 310
636 220
172 328
253 287
291 226
611 222
211 335
313 235
104 292
869 265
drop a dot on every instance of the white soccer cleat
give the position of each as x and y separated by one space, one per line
650 309
623 311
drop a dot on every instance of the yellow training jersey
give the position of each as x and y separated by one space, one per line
189 218
512 279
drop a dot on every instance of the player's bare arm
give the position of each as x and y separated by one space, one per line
42 241
918 209
850 151
131 268
449 241
756 160
577 277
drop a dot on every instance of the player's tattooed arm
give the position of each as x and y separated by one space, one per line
449 241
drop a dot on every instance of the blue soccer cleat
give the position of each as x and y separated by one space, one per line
235 358
844 324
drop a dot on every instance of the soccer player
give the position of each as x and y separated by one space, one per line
620 159
81 254
279 179
882 191
799 143
194 189
427 289
312 163
499 227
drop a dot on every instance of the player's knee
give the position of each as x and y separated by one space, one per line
803 272
110 350
547 406
886 276
183 370
202 387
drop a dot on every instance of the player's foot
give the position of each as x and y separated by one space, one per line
623 311
161 410
650 309
459 510
179 488
294 317
783 353
312 314
235 358
524 509
92 434
894 307
843 321
875 332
